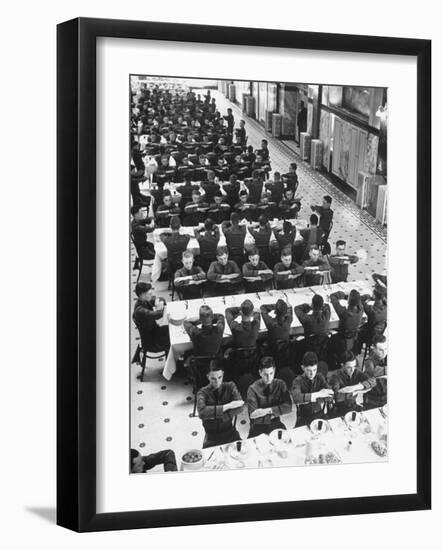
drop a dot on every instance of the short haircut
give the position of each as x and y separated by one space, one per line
354 298
133 455
276 174
215 366
243 193
328 199
210 174
264 141
287 251
253 252
188 176
379 339
317 302
289 190
234 218
280 308
196 192
314 247
187 254
348 357
175 223
221 250
263 220
266 363
208 224
293 165
141 288
314 219
206 314
233 178
247 308
218 194
340 243
309 359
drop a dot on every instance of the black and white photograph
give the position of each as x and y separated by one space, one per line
258 228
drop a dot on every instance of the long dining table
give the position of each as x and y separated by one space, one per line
340 442
161 250
189 309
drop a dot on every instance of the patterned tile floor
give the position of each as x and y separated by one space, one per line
161 411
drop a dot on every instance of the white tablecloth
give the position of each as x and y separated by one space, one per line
350 446
180 341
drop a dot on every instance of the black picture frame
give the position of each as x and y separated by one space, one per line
76 273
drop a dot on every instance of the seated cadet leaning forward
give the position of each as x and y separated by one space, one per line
256 274
189 278
224 274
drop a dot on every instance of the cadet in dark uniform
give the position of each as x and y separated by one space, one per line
166 210
218 403
235 236
262 237
350 320
315 320
207 338
276 188
142 225
376 366
176 244
267 400
189 279
310 391
289 205
347 383
147 311
140 464
245 208
315 267
339 263
376 315
255 273
219 211
224 274
195 212
325 220
287 272
208 239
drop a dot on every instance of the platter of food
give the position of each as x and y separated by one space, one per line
192 459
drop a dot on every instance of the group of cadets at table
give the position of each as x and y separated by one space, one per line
210 195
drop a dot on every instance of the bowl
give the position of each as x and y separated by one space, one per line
177 315
192 459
